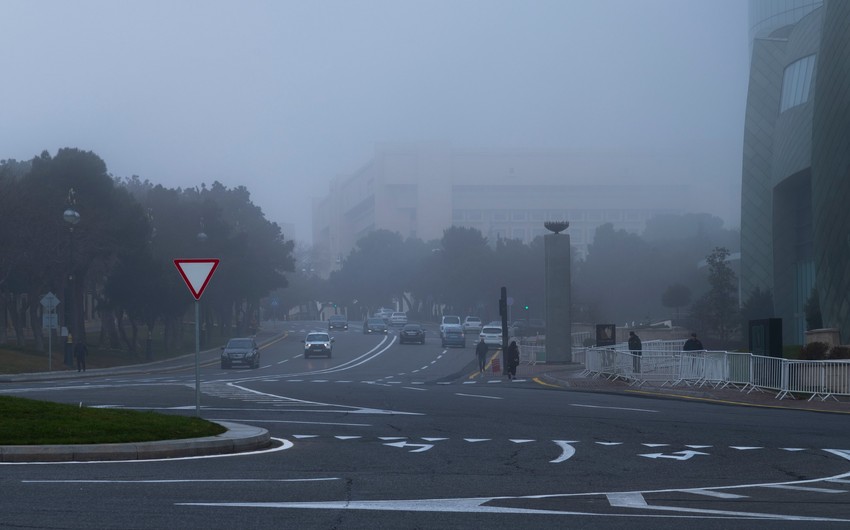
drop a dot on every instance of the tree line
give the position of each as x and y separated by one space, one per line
678 264
118 257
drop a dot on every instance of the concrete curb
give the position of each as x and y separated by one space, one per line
239 438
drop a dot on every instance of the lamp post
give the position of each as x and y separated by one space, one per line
72 217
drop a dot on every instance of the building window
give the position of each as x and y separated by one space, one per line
797 83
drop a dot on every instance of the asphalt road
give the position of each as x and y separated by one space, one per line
409 436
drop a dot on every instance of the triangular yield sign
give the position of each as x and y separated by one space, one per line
196 273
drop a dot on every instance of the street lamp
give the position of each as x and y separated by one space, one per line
72 217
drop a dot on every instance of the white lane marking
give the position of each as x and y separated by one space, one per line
698 446
179 481
656 445
301 422
626 500
469 382
716 494
283 361
806 488
294 380
444 382
287 401
434 439
611 408
478 506
522 441
284 445
388 438
495 381
475 395
347 437
610 443
319 381
419 382
679 455
300 436
412 388
839 481
474 440
567 450
739 448
793 449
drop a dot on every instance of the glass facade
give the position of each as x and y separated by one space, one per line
797 83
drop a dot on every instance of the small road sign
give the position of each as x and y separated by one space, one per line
49 301
196 273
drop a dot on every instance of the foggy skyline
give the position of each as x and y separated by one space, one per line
284 96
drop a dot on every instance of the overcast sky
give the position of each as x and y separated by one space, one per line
281 96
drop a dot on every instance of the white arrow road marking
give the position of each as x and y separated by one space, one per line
680 455
567 450
419 447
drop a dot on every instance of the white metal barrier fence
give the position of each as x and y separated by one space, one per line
745 371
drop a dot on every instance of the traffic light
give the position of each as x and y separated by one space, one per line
525 307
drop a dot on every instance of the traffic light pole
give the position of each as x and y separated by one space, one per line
503 312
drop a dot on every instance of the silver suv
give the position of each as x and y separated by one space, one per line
318 343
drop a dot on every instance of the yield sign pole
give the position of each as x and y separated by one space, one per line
197 273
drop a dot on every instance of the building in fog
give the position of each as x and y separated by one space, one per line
421 190
795 221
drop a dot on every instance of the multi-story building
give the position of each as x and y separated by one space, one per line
421 190
796 166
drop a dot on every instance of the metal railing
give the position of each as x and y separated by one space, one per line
720 369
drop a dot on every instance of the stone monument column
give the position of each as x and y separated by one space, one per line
558 299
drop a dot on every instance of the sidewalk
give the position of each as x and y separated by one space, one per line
570 377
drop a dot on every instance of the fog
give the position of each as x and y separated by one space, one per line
282 96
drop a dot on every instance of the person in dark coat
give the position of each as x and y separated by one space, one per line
481 352
636 349
80 352
512 359
693 344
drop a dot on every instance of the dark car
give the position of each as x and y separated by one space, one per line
337 322
453 336
375 325
241 351
411 333
318 343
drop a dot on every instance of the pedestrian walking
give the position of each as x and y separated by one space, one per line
481 352
80 352
693 344
512 359
636 349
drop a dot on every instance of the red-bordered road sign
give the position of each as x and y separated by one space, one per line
196 273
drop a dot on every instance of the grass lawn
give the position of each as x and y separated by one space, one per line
30 422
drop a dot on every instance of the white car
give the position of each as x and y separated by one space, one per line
492 335
471 324
448 320
398 319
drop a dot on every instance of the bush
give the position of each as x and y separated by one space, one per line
839 353
814 351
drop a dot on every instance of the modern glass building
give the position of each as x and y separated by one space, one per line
795 171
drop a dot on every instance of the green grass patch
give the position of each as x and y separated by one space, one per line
31 422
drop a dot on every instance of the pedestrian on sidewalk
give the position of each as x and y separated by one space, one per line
80 352
636 349
512 359
481 352
693 344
